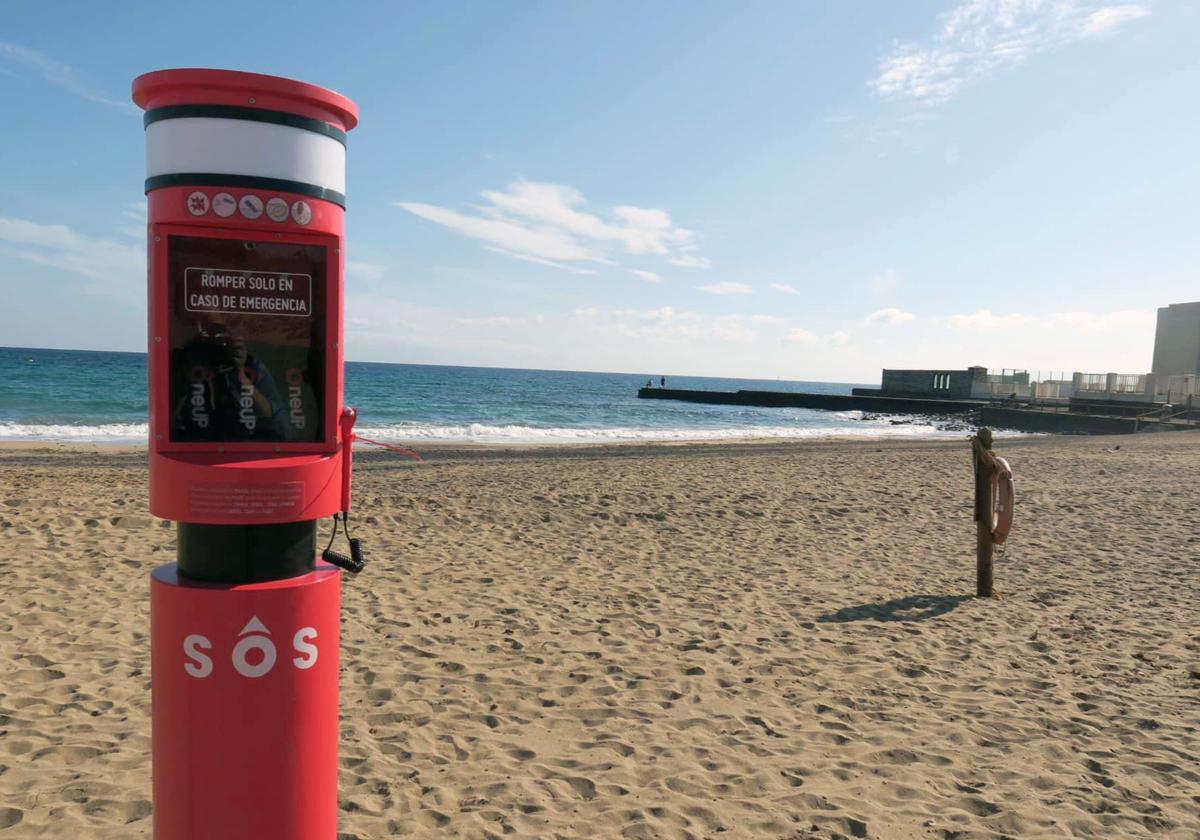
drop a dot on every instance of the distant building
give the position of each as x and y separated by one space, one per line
1177 340
933 384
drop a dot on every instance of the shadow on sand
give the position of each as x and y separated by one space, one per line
911 608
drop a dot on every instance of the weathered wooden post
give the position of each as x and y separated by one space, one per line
985 469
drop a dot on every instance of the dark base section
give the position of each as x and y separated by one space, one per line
246 553
828 402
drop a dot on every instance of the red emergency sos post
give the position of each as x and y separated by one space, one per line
249 447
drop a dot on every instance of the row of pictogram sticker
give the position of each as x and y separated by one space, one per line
251 207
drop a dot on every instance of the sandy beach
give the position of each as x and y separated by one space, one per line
770 640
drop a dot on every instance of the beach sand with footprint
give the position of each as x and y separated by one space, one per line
767 640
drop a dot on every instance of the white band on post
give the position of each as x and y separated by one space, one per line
245 147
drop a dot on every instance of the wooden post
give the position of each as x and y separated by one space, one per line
985 468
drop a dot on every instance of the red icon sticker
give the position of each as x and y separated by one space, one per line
197 203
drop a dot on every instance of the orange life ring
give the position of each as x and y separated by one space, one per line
1002 501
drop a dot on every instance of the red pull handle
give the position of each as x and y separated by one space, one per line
346 426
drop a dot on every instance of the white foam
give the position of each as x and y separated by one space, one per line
846 424
108 433
482 433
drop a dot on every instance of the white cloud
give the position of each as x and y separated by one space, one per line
890 315
785 288
726 288
648 276
1104 21
509 235
979 37
799 335
56 73
547 223
117 266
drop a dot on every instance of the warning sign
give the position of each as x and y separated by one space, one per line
246 292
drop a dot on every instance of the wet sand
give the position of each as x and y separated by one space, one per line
770 640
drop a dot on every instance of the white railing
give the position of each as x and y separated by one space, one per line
1091 382
998 390
1127 383
1057 389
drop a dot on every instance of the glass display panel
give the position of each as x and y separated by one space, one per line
246 330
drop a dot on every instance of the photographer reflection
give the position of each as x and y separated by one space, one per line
230 395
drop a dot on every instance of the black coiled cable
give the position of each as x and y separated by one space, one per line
356 562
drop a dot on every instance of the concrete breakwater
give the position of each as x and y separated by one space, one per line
827 402
1022 418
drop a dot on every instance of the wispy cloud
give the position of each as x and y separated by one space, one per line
785 288
667 324
1103 21
548 224
115 267
530 258
690 261
889 315
493 321
726 288
134 216
54 72
648 276
1120 319
799 335
980 37
808 338
363 270
885 282
985 319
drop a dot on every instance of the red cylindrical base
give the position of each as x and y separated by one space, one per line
245 696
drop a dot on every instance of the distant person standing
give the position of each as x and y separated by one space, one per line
662 382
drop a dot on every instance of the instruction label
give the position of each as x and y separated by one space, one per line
213 498
247 293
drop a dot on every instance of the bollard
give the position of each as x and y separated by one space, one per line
249 447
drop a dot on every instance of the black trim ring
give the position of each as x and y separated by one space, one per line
238 112
245 182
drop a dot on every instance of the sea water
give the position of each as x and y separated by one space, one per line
76 395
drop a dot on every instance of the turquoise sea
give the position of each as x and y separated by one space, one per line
96 396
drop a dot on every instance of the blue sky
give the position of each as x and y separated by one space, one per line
802 190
